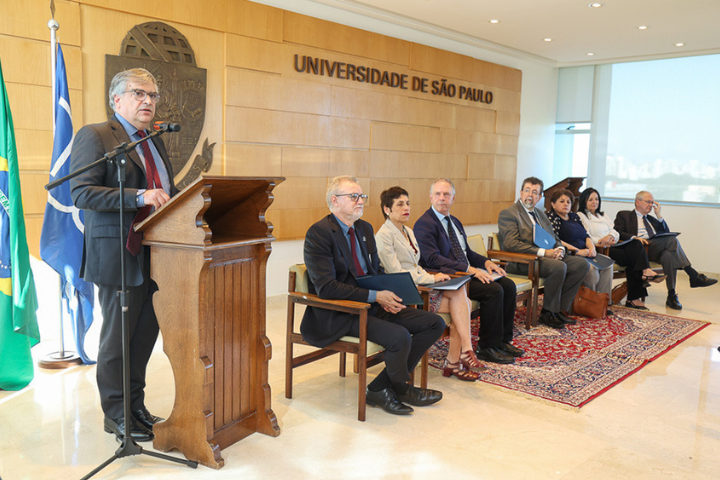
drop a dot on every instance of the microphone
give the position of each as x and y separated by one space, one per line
167 127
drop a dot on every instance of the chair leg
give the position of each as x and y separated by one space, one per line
289 349
424 371
343 360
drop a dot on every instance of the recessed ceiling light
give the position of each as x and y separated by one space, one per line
680 44
547 39
494 21
642 27
595 5
590 54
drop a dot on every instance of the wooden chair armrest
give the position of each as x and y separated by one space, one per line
512 256
311 300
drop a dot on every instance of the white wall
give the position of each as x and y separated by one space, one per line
537 109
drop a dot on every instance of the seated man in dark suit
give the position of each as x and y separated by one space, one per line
338 249
444 247
664 250
563 274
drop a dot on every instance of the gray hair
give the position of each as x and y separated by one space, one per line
639 196
446 180
118 85
334 187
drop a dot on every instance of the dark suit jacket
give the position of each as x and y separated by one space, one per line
96 192
435 250
515 229
332 276
626 223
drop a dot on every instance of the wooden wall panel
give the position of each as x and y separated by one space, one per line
325 35
28 19
267 119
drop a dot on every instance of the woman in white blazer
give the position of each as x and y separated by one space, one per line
399 252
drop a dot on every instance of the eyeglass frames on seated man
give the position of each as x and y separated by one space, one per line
353 196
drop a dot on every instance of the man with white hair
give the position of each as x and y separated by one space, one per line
666 250
338 249
148 185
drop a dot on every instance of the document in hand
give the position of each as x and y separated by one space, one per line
401 284
542 238
452 284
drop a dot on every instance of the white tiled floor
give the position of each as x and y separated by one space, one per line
662 422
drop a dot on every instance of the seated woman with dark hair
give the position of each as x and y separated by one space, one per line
399 252
631 255
571 232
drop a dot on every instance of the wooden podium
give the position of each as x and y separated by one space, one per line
210 245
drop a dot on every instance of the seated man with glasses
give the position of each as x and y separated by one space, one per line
665 250
338 249
148 185
563 274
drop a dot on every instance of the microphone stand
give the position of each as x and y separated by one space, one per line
128 447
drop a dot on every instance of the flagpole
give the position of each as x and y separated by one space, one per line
61 359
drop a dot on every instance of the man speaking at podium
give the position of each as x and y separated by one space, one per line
148 185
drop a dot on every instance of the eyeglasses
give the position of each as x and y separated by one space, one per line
532 192
353 196
141 95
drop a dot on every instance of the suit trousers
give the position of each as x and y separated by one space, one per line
634 257
562 280
497 310
599 280
142 332
668 252
405 335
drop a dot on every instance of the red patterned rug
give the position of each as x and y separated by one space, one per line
574 365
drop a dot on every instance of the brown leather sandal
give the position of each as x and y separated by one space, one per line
471 362
459 370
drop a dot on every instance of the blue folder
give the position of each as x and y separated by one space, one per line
401 284
542 238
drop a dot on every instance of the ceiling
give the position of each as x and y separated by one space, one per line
610 32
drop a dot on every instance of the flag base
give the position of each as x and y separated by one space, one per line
59 360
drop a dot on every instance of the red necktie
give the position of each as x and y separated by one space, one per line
353 248
134 239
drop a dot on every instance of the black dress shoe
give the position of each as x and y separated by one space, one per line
387 400
510 349
702 281
548 318
146 418
609 313
629 304
565 319
420 397
494 355
673 302
138 432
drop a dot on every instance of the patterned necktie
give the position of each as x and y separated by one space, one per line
648 227
455 243
353 248
134 239
532 214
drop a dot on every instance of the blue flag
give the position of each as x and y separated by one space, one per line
61 242
18 298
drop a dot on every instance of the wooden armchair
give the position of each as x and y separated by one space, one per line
528 287
368 353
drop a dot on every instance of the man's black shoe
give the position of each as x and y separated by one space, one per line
565 319
386 400
494 355
548 318
702 281
510 349
146 418
673 302
420 397
138 432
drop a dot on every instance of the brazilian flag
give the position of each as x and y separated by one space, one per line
18 298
